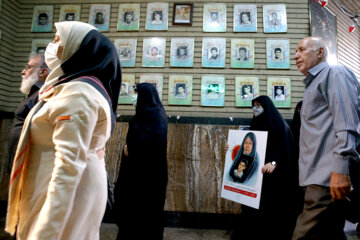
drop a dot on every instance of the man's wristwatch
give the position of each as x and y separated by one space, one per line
273 163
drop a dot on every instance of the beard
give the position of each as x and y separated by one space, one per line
27 83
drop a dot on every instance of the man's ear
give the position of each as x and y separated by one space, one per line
43 73
321 52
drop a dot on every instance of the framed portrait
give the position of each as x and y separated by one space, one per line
212 90
42 18
242 53
157 16
154 52
180 89
38 46
214 17
99 16
126 89
213 52
182 52
182 14
323 25
126 48
274 16
129 17
155 79
69 13
279 90
246 89
278 53
245 18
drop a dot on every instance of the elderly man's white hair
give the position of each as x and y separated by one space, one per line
320 43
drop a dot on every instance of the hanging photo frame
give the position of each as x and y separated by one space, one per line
275 19
42 18
154 52
69 13
242 53
126 48
212 90
245 18
129 17
213 52
182 52
279 90
157 16
278 53
99 16
38 46
246 89
180 89
182 14
214 17
126 89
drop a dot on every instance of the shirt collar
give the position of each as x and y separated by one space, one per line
313 72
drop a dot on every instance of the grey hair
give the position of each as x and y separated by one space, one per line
320 43
42 59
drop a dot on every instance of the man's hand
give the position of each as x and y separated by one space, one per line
268 168
339 185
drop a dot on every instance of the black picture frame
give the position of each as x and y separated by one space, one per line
186 19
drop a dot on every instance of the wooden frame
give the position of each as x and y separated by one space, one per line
180 17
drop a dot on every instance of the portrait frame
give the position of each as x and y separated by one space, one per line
129 81
157 16
182 14
273 83
323 24
182 52
214 17
243 98
242 53
156 79
213 52
275 18
177 97
240 24
212 90
125 10
149 58
67 11
38 44
278 53
39 23
99 16
126 48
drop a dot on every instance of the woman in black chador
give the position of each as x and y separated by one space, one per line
141 187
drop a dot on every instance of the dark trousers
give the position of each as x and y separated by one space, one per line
322 218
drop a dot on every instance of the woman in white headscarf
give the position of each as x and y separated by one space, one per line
58 187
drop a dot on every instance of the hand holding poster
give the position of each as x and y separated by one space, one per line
242 180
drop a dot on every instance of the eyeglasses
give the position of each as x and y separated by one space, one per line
27 67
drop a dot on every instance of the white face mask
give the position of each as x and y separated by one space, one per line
134 99
258 110
51 58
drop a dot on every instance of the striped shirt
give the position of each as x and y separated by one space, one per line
330 124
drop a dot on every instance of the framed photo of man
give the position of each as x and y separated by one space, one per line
182 52
38 46
180 89
246 89
279 90
155 79
126 48
213 52
214 17
182 14
129 17
42 18
275 20
212 90
245 18
99 16
126 89
154 52
242 53
278 53
157 16
69 13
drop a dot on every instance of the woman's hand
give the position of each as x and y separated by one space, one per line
126 150
268 168
226 147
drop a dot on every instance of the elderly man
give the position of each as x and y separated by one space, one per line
33 77
329 141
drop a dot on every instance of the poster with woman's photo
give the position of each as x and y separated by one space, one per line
246 89
242 53
242 179
157 16
214 17
69 13
279 90
182 52
154 52
129 17
245 18
180 89
42 18
99 16
155 79
213 52
275 20
126 48
278 53
38 46
212 90
126 89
